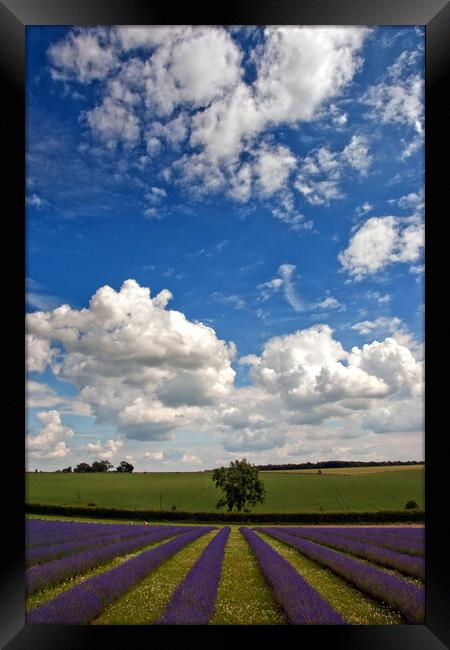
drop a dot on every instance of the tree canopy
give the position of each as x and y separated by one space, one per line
124 467
82 468
241 485
101 466
97 466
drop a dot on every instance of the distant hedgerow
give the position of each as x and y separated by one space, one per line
413 515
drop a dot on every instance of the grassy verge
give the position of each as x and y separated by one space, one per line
146 602
354 606
244 597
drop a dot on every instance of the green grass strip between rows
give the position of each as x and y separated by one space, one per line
244 597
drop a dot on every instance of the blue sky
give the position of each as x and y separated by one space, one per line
233 221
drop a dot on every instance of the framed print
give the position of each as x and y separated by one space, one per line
232 260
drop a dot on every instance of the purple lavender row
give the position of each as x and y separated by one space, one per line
84 602
45 525
46 553
300 602
51 573
86 538
405 596
408 564
53 527
57 534
77 531
392 531
37 523
74 536
402 541
195 597
413 534
47 528
77 542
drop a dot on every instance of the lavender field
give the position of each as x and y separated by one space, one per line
99 573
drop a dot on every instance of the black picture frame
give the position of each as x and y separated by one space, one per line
15 15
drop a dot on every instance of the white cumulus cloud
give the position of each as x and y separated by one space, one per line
322 170
136 363
319 390
160 86
38 353
382 241
103 450
151 372
50 442
399 97
84 55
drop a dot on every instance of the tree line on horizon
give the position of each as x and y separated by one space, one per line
98 466
125 467
332 464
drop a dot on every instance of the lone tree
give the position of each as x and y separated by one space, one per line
241 485
124 467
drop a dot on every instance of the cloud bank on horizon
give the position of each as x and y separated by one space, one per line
225 248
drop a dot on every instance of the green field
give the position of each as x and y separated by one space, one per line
332 491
